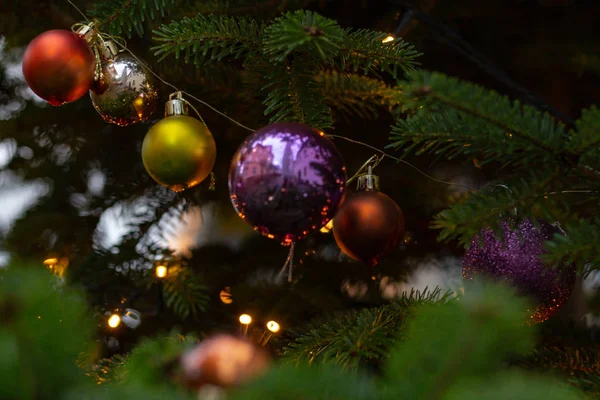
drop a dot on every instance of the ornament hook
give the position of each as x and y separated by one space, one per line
289 263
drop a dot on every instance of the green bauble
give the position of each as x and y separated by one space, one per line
179 152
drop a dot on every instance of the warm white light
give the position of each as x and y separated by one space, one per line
388 39
245 319
114 321
273 326
161 271
50 261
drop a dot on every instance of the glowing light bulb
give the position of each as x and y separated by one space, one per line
114 321
161 271
388 39
50 262
273 326
245 319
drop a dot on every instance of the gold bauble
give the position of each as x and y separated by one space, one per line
126 92
179 152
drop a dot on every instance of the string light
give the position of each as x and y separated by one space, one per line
161 271
273 326
114 321
245 319
50 262
388 39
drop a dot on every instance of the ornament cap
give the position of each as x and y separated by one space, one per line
176 105
87 32
109 49
368 181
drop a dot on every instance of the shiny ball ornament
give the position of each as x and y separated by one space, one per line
132 318
517 260
287 180
224 361
59 66
368 226
179 151
126 92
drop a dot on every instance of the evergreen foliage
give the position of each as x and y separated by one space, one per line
301 66
359 337
481 331
209 38
290 55
125 16
184 292
353 94
547 163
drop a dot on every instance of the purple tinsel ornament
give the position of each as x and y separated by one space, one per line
287 180
517 260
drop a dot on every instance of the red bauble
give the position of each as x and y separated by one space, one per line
59 66
368 226
223 361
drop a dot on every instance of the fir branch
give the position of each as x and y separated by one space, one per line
351 94
118 16
184 293
293 94
579 366
305 32
429 90
105 370
206 38
587 136
359 335
363 50
320 382
150 361
586 142
262 9
464 220
580 245
568 359
448 133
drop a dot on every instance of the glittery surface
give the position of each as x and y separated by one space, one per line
287 180
516 260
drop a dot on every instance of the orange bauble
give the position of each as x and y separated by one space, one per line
223 361
59 66
368 226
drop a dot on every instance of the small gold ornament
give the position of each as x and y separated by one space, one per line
125 92
179 151
225 295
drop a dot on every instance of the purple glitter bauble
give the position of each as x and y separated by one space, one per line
287 180
517 260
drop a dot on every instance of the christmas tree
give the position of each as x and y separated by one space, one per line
491 173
